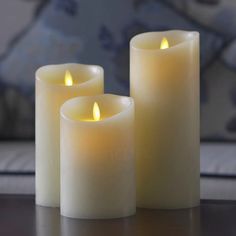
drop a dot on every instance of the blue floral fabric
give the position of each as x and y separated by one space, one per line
86 31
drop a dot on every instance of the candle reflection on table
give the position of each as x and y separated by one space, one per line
47 221
186 222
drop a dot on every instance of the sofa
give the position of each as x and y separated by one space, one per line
77 31
218 169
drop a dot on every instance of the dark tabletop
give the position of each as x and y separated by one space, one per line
20 217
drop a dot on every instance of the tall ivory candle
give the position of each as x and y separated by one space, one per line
97 160
165 87
54 85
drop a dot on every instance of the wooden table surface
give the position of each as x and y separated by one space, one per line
20 217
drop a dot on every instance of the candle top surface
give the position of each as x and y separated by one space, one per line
157 41
96 109
70 74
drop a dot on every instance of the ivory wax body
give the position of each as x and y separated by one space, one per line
51 93
165 88
97 158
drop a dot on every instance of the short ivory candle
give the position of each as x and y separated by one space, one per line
54 85
165 86
97 159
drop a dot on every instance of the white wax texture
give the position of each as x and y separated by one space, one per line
51 93
165 88
97 158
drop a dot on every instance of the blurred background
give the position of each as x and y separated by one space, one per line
39 32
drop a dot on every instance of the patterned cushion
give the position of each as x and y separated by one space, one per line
219 15
79 31
218 84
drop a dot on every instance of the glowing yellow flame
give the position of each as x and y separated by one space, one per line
96 112
68 79
164 43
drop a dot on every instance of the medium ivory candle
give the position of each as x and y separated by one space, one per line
54 85
97 160
164 71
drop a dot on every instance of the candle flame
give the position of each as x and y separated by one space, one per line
68 78
164 43
96 112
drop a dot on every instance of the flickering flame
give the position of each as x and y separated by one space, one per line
96 112
164 43
68 78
